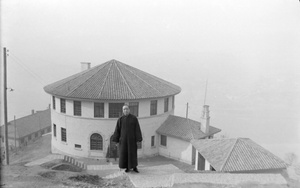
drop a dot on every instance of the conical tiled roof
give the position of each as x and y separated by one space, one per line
237 154
112 80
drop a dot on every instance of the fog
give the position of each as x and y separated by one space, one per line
246 51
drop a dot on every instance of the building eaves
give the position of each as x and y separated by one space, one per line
112 80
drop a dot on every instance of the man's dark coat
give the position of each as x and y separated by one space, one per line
127 134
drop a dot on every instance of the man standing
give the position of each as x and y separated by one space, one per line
127 135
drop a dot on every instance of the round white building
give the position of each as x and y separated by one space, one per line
86 106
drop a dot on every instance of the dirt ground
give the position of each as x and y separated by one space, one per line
58 173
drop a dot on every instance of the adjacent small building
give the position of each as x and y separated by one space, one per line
176 134
25 130
235 155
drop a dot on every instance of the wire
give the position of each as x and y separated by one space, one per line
26 68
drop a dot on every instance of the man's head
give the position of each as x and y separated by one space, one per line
126 109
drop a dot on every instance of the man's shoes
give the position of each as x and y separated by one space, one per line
136 170
127 170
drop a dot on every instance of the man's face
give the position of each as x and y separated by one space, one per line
126 110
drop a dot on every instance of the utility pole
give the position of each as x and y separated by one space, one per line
187 110
5 107
15 133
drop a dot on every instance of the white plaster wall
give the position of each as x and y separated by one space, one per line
106 110
87 109
69 107
149 126
79 130
196 160
144 108
177 149
170 103
160 106
207 165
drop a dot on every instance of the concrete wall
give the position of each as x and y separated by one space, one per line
176 149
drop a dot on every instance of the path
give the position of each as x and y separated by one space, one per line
168 175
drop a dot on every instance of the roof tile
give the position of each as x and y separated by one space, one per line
183 128
30 124
112 80
237 154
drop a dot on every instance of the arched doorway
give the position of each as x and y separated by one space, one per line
112 149
96 142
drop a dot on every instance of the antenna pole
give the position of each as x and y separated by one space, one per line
187 110
205 91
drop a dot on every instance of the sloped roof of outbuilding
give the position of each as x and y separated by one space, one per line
183 128
112 80
237 154
29 124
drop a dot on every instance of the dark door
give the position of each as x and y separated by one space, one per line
201 162
193 155
112 149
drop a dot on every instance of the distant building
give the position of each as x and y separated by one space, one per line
235 155
26 129
86 106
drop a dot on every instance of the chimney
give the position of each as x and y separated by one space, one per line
32 111
205 119
85 66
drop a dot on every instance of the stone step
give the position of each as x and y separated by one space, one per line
114 175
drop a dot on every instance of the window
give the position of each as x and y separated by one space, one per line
63 105
166 104
173 102
139 145
63 135
77 108
77 146
152 141
163 140
134 108
54 130
53 102
96 142
115 110
22 140
98 109
153 108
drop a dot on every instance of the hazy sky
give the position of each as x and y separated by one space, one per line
248 51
